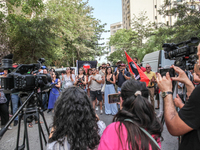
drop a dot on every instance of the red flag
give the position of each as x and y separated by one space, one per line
135 69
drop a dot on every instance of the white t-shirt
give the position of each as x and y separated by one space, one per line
95 86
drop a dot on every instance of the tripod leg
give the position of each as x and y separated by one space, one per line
43 134
18 132
39 128
26 131
45 123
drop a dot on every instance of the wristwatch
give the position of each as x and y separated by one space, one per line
164 94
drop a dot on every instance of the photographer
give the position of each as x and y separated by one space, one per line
121 76
186 122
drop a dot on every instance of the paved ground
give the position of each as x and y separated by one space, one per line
8 141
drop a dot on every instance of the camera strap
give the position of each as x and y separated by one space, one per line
145 132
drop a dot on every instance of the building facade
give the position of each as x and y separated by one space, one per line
113 29
131 8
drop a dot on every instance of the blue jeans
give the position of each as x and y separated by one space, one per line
118 89
44 100
15 101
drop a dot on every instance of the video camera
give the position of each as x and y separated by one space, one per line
21 80
185 57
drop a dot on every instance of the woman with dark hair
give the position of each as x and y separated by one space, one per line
69 78
74 123
135 127
81 78
109 79
55 91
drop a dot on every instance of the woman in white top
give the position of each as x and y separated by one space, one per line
69 78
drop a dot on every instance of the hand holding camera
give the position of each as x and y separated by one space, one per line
178 102
164 83
182 77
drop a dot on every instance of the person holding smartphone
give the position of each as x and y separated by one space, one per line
109 79
135 126
69 78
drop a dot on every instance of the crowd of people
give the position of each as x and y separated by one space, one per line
75 99
135 125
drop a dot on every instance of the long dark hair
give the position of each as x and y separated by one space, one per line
141 112
107 70
75 118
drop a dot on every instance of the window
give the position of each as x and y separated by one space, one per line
179 0
155 6
156 17
167 23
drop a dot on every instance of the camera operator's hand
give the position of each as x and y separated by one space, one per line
178 102
164 83
196 78
182 77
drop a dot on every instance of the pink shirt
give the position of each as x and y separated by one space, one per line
111 141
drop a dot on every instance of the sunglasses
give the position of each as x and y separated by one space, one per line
147 67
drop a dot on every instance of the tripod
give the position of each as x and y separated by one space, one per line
26 113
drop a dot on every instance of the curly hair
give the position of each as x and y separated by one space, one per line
75 118
141 112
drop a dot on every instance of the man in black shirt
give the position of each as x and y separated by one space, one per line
121 76
187 121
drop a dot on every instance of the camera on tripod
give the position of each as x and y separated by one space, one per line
21 80
185 57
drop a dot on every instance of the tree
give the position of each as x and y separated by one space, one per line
79 30
187 24
61 31
131 40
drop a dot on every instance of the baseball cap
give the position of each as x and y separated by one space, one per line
123 65
119 61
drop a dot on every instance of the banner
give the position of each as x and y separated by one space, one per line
135 69
86 64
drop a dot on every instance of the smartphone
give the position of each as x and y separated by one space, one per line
164 71
113 98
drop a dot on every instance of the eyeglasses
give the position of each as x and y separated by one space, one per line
147 67
80 70
93 70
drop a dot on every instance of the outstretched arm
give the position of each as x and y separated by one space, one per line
175 125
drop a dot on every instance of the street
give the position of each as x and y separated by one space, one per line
8 142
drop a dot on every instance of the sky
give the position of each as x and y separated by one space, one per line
108 11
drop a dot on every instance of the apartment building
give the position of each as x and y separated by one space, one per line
113 29
151 7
